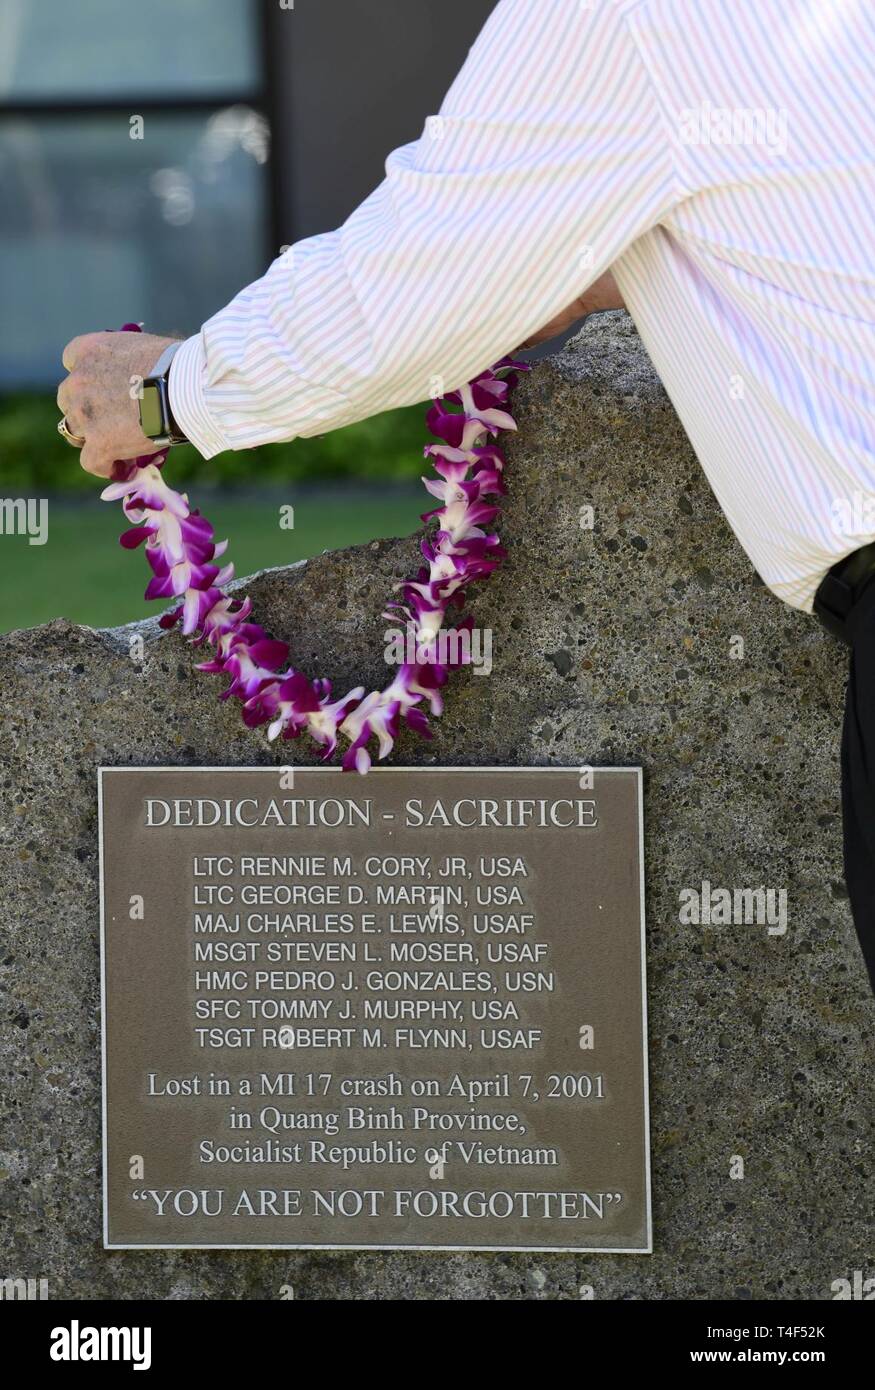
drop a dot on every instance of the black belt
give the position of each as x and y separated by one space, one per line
842 587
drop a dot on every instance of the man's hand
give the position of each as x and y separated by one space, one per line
100 397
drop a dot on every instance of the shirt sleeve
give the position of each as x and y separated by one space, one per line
549 155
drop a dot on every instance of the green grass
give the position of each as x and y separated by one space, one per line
83 574
349 486
35 461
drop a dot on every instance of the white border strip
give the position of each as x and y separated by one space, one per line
413 1249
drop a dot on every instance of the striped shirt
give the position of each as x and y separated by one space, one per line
716 154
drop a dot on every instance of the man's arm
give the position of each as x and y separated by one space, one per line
603 293
549 156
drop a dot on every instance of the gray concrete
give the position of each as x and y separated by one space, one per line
611 646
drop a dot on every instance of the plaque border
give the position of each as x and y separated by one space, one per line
411 1249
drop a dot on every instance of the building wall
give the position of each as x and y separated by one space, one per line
353 79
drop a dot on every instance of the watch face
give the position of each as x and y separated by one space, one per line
151 414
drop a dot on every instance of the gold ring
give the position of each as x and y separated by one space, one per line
63 429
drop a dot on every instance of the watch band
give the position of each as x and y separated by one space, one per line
162 366
158 383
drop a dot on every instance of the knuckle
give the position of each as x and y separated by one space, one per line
77 349
68 391
68 356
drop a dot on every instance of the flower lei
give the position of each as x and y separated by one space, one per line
181 551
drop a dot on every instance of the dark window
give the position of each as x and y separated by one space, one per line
133 169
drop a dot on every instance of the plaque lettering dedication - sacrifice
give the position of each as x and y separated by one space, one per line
399 1011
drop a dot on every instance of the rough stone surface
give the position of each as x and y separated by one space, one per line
612 645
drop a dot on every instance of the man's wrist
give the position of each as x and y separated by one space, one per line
162 366
156 416
187 396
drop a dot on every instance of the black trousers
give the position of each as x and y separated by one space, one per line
858 771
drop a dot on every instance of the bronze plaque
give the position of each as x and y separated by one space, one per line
399 1011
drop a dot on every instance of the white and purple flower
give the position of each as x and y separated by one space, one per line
181 550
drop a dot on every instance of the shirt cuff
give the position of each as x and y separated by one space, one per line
187 387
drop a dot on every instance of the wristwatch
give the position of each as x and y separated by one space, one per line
156 417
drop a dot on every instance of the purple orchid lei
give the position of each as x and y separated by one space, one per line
182 551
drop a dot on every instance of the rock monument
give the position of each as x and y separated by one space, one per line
628 627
